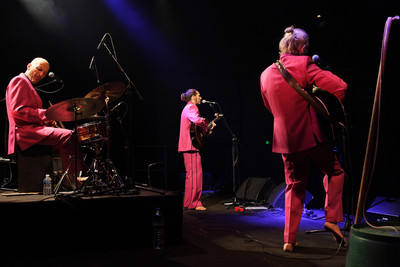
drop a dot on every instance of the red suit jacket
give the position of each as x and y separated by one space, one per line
25 114
190 113
295 122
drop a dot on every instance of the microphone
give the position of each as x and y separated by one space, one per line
53 76
92 66
320 63
116 106
208 102
101 41
91 63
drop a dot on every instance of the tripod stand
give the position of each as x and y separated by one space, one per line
115 179
107 167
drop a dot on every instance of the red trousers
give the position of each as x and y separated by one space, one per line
193 181
64 141
296 173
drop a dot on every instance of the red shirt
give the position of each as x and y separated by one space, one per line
295 122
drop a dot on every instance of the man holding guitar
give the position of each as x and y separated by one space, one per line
191 155
298 135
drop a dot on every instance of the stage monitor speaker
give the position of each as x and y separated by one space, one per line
388 206
255 189
277 197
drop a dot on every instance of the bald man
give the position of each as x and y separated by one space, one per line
28 124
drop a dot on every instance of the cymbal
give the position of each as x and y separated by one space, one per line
113 90
96 117
65 110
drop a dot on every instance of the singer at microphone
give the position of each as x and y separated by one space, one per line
191 133
208 102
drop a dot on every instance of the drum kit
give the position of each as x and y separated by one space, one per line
93 135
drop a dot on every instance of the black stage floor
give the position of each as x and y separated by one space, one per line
117 231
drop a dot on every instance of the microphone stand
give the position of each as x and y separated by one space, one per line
235 155
130 85
93 66
42 85
123 71
53 81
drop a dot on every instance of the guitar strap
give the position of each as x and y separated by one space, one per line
299 89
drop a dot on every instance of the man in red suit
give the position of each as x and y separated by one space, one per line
191 155
28 124
298 135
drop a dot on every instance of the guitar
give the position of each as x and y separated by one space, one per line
198 135
334 116
330 111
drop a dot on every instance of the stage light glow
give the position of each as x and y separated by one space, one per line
142 32
47 13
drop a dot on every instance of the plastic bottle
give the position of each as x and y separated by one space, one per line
47 185
158 230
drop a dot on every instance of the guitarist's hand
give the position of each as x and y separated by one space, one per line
213 124
211 127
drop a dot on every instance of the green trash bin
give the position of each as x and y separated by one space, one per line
374 246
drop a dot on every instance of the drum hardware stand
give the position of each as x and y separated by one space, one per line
73 158
111 171
94 166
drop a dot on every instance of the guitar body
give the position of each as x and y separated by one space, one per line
330 111
198 135
335 116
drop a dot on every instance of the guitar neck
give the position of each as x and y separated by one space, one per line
214 120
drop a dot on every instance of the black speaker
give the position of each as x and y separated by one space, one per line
277 197
255 189
388 206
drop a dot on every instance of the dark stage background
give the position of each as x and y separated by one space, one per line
219 48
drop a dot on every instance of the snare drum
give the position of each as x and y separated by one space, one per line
91 131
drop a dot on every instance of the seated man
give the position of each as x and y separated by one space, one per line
28 124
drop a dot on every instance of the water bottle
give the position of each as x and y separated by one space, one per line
47 185
158 230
